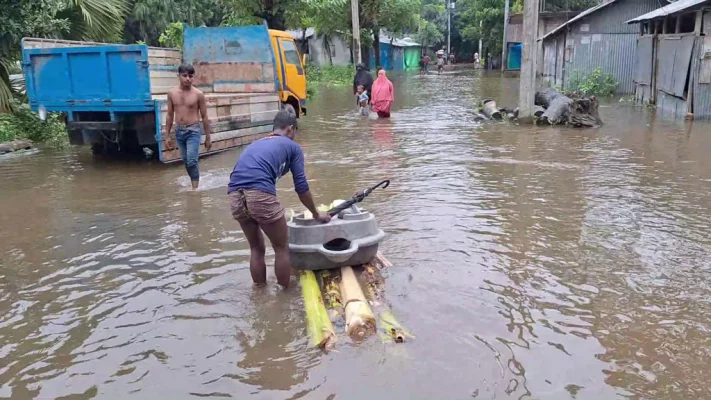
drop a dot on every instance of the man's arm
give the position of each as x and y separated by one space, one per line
202 103
169 123
301 185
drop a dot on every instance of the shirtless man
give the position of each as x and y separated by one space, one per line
186 104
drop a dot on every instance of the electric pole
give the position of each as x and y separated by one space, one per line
481 55
505 48
357 58
449 29
527 91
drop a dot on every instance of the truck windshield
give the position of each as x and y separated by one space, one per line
290 53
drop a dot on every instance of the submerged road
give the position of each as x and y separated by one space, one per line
545 263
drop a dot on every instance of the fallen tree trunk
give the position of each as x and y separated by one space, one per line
560 109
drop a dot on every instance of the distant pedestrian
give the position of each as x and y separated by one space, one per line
187 105
382 96
362 77
440 64
427 61
476 60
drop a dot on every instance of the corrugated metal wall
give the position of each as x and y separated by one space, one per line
671 106
612 53
604 40
702 85
644 60
612 18
553 60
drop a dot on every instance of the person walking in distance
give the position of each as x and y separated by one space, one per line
186 107
253 200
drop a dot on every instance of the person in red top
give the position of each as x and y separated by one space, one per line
382 95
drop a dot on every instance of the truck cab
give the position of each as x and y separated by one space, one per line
291 75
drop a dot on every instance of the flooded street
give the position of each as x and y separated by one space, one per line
542 263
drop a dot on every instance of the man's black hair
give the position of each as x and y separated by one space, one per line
186 69
284 119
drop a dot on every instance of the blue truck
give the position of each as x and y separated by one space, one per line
114 96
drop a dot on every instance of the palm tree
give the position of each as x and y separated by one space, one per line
94 20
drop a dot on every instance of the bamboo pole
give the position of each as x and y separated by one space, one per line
319 324
384 263
360 321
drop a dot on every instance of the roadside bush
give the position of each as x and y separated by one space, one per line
598 83
25 124
329 76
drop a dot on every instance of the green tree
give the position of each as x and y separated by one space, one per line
96 20
148 19
491 13
394 16
432 24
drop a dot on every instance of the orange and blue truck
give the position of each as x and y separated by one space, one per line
114 96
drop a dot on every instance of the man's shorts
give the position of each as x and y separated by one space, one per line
255 205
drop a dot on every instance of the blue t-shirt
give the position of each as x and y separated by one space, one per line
363 98
263 162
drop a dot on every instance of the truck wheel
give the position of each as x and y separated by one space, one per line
97 148
289 108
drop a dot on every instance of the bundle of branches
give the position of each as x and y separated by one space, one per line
573 109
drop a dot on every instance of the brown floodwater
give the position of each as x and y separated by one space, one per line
542 263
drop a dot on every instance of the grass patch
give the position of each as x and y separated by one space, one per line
328 76
25 124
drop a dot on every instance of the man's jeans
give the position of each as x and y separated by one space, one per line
188 138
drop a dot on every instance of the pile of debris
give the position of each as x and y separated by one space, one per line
552 108
15 145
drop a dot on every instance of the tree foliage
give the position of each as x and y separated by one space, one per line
432 24
491 15
95 20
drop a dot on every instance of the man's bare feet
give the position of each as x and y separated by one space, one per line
195 184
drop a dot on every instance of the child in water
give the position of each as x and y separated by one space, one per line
363 100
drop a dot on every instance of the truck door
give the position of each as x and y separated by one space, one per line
293 76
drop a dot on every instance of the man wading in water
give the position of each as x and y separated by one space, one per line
253 200
187 104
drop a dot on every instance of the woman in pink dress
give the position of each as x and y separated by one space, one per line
382 95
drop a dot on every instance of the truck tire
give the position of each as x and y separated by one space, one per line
289 108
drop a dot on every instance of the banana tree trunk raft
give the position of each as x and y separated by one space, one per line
360 321
332 293
319 324
389 326
373 281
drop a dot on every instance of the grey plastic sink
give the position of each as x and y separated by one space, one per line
351 238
